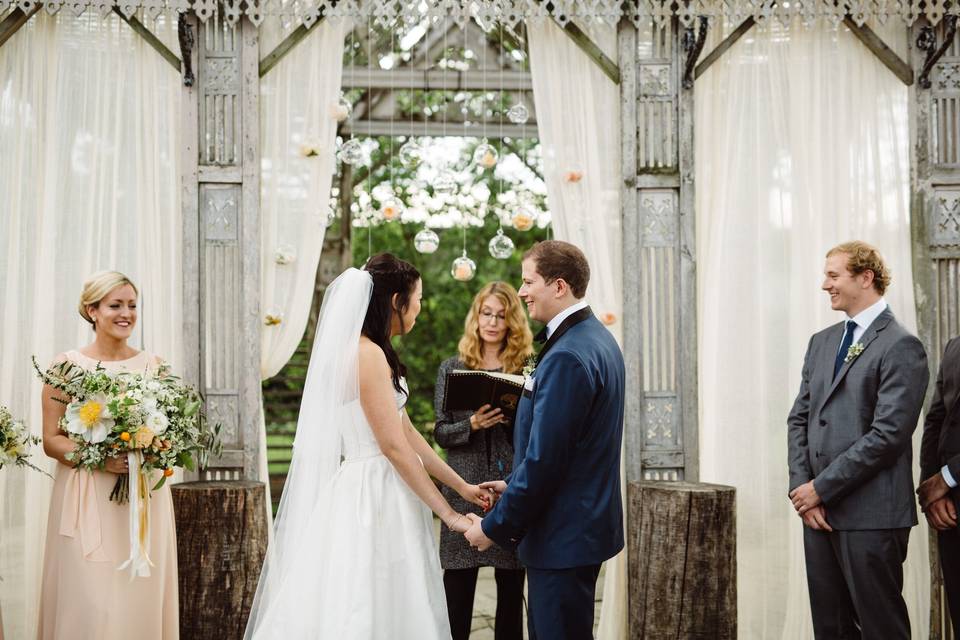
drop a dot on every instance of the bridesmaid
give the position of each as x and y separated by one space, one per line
83 595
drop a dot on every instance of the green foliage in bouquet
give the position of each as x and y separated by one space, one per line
111 414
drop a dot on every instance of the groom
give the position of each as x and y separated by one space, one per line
561 506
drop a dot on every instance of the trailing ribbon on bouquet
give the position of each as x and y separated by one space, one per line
139 561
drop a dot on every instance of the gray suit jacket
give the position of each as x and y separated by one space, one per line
852 435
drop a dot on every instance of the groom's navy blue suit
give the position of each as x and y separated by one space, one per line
562 508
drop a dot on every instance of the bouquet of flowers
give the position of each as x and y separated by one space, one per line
15 442
153 415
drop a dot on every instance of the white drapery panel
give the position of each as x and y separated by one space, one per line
90 177
298 129
578 121
802 143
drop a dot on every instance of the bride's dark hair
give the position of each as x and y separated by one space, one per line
390 276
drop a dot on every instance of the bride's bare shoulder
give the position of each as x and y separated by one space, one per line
371 355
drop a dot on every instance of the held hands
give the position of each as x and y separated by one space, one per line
494 489
941 514
475 535
804 498
931 490
486 417
476 494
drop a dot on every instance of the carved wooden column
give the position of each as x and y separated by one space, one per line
221 254
935 220
660 332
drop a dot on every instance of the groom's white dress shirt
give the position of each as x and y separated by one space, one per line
560 317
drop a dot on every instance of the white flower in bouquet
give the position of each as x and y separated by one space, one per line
156 422
90 418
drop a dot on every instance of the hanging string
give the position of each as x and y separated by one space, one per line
369 114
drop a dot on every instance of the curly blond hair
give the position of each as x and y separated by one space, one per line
518 342
863 257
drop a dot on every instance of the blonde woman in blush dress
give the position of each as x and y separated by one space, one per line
84 596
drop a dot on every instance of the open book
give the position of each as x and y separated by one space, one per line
469 390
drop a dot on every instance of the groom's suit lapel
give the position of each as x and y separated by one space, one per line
573 319
868 337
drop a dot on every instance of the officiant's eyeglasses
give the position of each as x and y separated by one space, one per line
489 316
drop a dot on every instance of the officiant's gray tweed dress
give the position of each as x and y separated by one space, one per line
477 456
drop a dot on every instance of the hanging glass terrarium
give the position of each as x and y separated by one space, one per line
523 217
351 152
411 153
485 155
426 241
445 182
518 113
463 268
500 246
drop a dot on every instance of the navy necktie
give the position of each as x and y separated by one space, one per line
844 346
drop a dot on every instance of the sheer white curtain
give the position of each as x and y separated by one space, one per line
298 127
802 143
578 121
90 177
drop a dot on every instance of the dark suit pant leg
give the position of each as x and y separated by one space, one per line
834 616
872 564
460 586
562 602
948 542
509 624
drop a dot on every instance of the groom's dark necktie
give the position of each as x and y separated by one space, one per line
844 346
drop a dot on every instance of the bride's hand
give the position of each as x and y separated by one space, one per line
460 524
116 465
474 494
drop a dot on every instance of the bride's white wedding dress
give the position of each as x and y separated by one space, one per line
354 555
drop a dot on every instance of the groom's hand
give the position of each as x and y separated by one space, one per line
475 535
494 489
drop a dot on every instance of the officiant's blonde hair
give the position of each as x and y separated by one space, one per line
517 344
96 288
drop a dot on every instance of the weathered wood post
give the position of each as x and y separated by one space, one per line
222 520
219 559
682 551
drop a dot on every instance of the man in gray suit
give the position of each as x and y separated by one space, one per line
849 448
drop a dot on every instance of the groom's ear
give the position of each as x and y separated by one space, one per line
561 287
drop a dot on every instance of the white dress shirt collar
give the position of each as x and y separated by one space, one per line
560 317
866 317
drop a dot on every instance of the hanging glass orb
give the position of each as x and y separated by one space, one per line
485 155
351 152
426 241
391 209
411 153
523 218
518 113
463 268
446 182
500 246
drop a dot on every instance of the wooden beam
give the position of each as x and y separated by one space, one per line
721 48
151 39
492 130
435 79
274 57
589 47
14 20
878 47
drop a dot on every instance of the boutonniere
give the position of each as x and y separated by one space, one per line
530 367
853 351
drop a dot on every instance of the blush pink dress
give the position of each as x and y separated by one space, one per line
83 595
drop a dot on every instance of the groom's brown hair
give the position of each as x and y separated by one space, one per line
559 260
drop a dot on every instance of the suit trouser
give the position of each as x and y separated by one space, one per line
948 542
561 602
855 580
460 586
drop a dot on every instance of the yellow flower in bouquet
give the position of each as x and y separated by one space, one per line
143 438
91 418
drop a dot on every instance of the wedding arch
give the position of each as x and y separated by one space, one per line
635 213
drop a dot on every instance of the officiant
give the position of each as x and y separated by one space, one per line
479 444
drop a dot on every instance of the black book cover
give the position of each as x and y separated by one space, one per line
469 390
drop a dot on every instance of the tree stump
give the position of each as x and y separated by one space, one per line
682 556
221 543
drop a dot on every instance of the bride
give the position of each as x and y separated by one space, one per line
353 554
